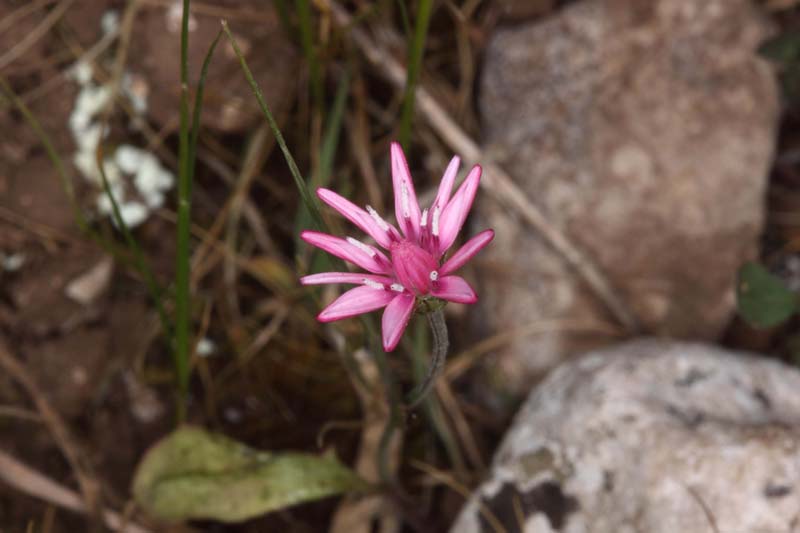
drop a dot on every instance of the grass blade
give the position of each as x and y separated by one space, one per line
307 42
416 50
182 266
140 262
307 198
330 142
333 128
404 18
52 154
198 108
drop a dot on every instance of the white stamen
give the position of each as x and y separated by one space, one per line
404 199
361 246
373 284
424 221
434 275
437 211
377 218
397 287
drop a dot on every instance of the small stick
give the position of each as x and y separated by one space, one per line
496 181
25 479
33 36
90 488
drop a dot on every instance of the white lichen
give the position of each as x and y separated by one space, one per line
129 169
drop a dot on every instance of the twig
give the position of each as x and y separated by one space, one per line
37 33
450 404
496 181
90 488
25 479
712 522
19 413
463 361
253 160
445 479
356 516
21 12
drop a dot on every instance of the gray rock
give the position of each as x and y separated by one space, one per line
650 436
645 131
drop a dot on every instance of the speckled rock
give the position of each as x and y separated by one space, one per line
645 131
650 436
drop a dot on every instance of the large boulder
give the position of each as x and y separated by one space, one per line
645 131
650 436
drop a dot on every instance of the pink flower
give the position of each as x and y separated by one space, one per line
414 267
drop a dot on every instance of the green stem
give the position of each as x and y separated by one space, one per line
441 343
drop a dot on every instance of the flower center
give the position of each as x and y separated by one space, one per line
414 267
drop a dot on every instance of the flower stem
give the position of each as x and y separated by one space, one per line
441 343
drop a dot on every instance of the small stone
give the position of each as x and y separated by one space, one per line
87 287
652 436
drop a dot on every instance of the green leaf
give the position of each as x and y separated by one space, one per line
784 48
763 299
194 474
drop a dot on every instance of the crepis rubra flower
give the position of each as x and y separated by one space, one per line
415 267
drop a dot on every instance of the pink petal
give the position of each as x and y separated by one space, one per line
466 252
406 206
395 320
456 212
446 185
454 289
355 302
344 277
374 260
358 216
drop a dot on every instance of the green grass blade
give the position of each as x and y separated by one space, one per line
305 195
283 14
52 154
182 266
140 262
404 18
333 130
307 41
330 143
198 109
415 52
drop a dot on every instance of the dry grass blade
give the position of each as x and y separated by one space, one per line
21 12
446 479
253 160
25 479
90 487
496 182
450 404
460 363
356 516
29 40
